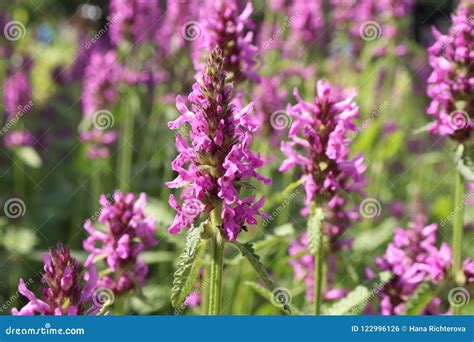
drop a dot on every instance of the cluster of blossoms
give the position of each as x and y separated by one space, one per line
451 84
63 292
217 161
101 77
179 26
303 269
99 142
225 28
413 258
306 24
128 232
17 100
371 19
269 99
320 146
134 20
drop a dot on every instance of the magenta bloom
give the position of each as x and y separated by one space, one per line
451 84
99 143
224 27
19 139
128 232
99 88
17 88
213 166
269 102
63 292
303 269
319 144
412 257
137 21
179 26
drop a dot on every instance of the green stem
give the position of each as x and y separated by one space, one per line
458 228
217 266
318 280
126 148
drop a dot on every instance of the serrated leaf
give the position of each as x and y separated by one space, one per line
315 233
354 302
464 163
419 299
186 274
248 252
265 293
194 237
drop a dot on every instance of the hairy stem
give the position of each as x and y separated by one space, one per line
458 228
217 266
318 279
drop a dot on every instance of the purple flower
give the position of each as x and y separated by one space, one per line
371 20
320 146
19 139
128 232
303 269
99 88
180 26
216 161
468 267
17 89
269 103
305 19
225 28
99 143
412 257
137 21
63 292
451 84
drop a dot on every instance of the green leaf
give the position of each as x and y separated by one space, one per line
186 274
315 233
419 299
29 156
267 294
353 303
464 163
248 252
194 237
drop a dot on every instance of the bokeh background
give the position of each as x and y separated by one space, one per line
59 183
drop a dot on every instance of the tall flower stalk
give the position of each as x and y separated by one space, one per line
214 166
451 90
320 146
